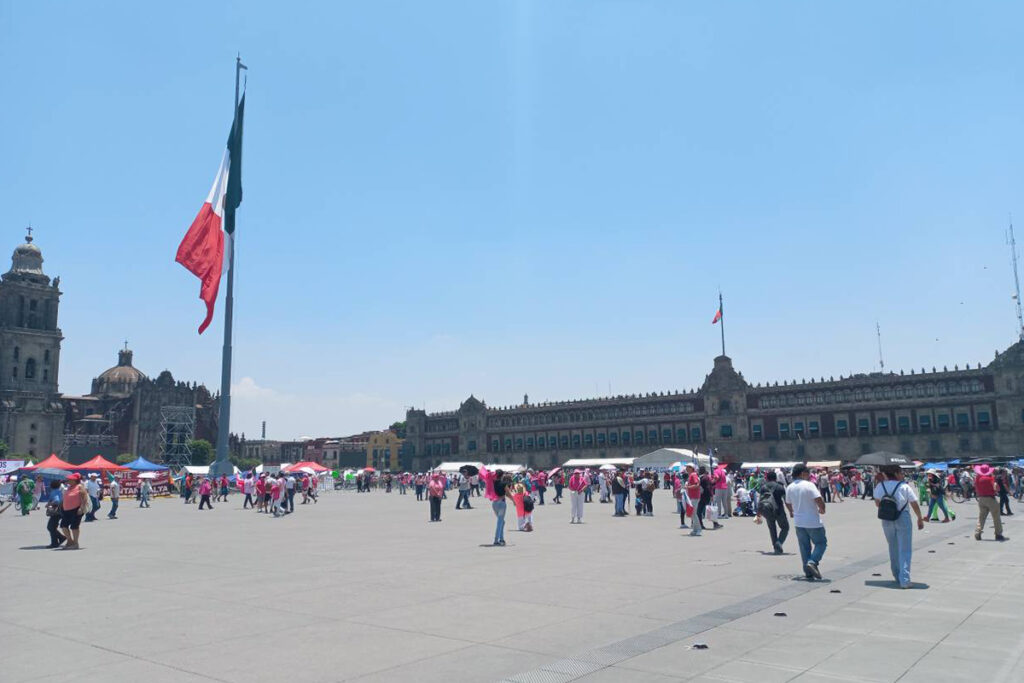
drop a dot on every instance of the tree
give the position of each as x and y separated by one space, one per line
4 449
202 452
125 458
245 464
398 428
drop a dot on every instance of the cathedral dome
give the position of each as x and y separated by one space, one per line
27 260
119 380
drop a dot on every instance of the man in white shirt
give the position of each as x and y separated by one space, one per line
115 496
289 483
806 508
92 487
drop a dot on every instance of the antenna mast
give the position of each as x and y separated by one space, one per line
1016 283
881 361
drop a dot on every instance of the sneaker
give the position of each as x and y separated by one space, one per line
977 536
778 548
502 543
812 569
1002 538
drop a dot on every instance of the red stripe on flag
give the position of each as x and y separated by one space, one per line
718 316
202 253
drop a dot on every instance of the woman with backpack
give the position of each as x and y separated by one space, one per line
892 498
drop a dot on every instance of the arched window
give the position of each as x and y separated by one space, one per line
30 368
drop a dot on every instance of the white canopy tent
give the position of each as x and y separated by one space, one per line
451 467
505 467
202 470
598 462
825 463
767 465
666 458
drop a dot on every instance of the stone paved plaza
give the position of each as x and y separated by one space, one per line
362 587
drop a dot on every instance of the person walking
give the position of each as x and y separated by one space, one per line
1003 488
145 491
115 497
985 492
771 507
464 487
289 487
937 497
892 497
435 491
92 488
24 491
558 481
74 506
692 493
720 485
499 505
542 486
577 486
205 488
54 504
805 505
619 488
248 487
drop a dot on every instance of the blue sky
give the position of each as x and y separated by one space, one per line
499 198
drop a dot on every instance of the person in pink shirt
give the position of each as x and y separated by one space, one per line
435 492
542 486
205 488
577 484
721 487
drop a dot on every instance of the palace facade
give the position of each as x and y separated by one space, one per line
928 414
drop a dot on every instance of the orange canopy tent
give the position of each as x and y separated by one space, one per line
99 463
315 466
52 462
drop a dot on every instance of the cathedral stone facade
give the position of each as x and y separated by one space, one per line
31 414
122 413
927 414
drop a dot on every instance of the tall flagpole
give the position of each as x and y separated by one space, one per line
721 320
223 464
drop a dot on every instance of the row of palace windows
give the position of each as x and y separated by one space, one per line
874 394
591 415
601 439
944 422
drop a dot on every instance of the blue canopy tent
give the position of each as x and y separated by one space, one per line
140 464
941 466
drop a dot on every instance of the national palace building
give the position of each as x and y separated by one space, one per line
928 414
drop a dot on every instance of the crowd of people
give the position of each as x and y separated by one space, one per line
783 500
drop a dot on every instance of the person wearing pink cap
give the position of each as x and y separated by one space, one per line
988 504
577 483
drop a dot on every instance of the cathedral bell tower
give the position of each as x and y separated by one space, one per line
31 414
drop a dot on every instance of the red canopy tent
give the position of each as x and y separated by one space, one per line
99 463
52 462
315 466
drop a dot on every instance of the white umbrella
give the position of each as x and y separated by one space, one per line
608 467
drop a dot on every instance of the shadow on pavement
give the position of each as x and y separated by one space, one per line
914 585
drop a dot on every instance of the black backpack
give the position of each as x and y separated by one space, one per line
888 510
527 503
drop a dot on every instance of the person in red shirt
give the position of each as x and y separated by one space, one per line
985 491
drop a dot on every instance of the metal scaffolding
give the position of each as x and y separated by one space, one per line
177 429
